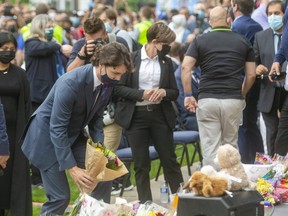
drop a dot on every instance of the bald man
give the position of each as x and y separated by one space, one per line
222 56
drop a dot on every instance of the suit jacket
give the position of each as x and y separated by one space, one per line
129 93
246 26
56 124
264 54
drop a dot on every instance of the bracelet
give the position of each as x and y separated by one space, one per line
81 56
187 95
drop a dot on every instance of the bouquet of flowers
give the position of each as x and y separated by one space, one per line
152 209
102 164
92 207
272 185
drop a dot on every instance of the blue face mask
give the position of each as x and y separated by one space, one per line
49 33
275 22
108 27
107 81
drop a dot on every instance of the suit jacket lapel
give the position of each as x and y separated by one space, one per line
89 92
270 41
162 70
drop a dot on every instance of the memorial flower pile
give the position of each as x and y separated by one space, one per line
273 186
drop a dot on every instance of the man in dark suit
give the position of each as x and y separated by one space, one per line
265 46
55 140
146 112
250 139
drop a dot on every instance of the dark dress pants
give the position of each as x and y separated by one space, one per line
151 127
281 143
271 122
249 136
57 188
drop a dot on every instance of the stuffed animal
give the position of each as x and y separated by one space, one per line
208 186
210 171
229 160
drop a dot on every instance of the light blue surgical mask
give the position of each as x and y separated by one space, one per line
108 27
275 22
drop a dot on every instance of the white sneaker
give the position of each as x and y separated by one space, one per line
129 188
115 191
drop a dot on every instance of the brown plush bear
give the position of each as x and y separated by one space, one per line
204 185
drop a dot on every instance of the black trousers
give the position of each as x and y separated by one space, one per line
151 127
281 143
271 122
249 136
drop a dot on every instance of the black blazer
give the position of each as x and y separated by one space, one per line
264 54
129 93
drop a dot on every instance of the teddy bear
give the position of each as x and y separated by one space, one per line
229 160
204 185
211 171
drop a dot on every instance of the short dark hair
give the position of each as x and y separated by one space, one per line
146 12
94 25
41 8
112 54
161 32
175 48
111 14
7 37
245 6
274 2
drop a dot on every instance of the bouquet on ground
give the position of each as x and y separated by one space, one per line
272 186
92 207
152 209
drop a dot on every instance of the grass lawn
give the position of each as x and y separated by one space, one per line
38 195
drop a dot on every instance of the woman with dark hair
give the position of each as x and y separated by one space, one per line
145 109
15 195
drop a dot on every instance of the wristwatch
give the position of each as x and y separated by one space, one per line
81 57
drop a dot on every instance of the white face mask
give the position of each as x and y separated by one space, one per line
52 15
275 22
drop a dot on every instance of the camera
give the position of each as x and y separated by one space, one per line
99 42
277 77
7 11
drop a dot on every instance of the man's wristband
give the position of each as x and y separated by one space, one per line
187 95
81 57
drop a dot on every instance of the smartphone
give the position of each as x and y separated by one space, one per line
277 77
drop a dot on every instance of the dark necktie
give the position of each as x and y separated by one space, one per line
97 92
279 41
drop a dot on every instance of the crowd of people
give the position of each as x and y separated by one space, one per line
120 77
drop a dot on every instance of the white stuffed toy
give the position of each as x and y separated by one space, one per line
229 160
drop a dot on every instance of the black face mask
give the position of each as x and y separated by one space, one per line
7 56
165 50
12 28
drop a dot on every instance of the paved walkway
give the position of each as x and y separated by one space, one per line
280 210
